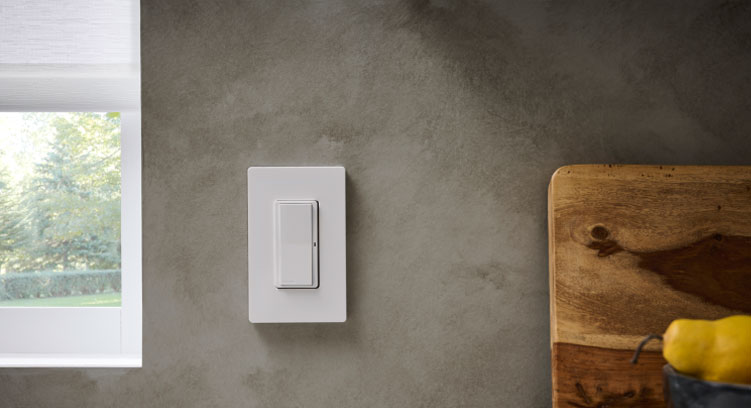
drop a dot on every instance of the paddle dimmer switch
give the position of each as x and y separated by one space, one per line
296 245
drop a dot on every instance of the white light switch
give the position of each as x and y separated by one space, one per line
296 244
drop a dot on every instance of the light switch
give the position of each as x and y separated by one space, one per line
296 244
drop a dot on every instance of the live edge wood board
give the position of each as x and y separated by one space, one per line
631 249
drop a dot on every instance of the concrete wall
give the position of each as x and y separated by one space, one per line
450 117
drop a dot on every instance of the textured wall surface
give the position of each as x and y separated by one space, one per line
450 117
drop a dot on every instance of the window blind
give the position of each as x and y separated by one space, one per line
69 55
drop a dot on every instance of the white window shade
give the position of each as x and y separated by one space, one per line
69 55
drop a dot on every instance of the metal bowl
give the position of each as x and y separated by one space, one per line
683 391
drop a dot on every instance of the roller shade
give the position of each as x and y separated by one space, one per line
69 55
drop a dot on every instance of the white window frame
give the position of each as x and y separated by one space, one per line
83 336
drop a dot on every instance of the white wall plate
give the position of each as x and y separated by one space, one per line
312 240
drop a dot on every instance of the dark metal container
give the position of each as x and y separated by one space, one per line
682 391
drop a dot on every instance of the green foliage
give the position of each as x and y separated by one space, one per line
62 212
54 284
13 235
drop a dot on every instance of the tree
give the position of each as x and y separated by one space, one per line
12 232
73 196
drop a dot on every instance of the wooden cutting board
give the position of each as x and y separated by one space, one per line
631 249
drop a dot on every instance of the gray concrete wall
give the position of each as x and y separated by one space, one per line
450 117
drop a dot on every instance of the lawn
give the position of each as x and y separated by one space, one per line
100 300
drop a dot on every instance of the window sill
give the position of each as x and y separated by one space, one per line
70 361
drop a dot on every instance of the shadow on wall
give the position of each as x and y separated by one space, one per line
573 70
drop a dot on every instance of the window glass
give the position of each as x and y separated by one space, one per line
60 209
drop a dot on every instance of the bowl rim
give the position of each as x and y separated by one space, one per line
668 369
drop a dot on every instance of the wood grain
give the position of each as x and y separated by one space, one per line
583 386
631 249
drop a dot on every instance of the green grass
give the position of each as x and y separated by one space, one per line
100 300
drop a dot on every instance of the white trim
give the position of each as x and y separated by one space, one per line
60 330
66 360
130 233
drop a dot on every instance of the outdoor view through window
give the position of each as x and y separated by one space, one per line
59 209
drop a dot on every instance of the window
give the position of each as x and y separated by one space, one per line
60 209
70 184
